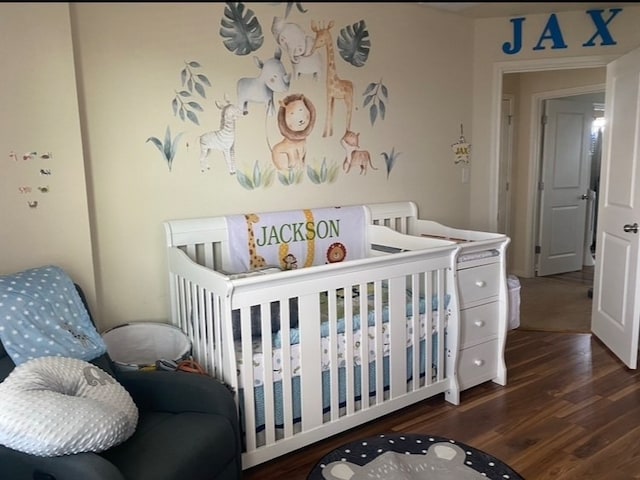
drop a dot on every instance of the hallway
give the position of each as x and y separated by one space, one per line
557 303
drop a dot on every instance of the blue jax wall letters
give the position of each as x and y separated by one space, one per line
553 32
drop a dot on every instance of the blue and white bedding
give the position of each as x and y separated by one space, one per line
277 360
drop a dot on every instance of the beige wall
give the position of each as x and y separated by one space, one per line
128 56
129 60
40 114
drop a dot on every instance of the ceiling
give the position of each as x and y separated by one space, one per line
507 9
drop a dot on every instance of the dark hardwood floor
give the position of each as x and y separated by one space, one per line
570 410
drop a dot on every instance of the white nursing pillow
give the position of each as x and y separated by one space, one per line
54 406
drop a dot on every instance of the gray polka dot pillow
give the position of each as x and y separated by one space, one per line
53 406
42 314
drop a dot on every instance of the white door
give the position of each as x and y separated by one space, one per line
616 298
564 187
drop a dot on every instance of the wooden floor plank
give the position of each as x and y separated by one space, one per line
569 411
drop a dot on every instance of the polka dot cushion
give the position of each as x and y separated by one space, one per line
42 314
55 406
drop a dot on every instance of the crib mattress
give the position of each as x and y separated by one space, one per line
258 356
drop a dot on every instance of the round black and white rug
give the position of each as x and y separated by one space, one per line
410 456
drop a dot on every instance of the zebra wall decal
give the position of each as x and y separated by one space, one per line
224 139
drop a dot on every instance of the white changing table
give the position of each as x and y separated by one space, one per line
482 290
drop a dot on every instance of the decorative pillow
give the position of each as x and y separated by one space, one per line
54 406
42 314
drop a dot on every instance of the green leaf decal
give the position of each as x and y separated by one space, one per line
370 88
390 159
193 117
373 113
167 148
241 31
376 94
200 89
203 79
244 180
354 44
182 104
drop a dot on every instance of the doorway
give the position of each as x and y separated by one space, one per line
531 91
615 313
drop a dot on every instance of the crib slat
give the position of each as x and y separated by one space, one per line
349 378
379 341
442 313
248 378
188 304
191 251
267 374
398 337
287 373
332 340
310 362
208 256
402 225
415 330
364 345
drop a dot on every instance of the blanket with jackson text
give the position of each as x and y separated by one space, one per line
296 238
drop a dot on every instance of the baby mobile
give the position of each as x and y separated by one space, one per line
461 149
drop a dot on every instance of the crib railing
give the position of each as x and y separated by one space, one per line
394 359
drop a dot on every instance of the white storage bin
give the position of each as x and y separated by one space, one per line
513 285
135 346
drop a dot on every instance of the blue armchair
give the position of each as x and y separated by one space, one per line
187 429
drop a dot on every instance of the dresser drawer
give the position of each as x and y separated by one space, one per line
478 282
478 364
478 324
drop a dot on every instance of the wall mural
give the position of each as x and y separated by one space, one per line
314 53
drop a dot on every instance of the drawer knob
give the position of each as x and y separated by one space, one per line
480 283
479 323
478 363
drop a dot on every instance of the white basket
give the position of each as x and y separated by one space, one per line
135 346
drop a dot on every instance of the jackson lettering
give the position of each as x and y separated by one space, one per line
297 232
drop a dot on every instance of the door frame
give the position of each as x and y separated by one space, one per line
521 66
506 162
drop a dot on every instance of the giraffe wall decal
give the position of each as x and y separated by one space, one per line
255 260
336 87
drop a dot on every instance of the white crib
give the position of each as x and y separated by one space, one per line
351 330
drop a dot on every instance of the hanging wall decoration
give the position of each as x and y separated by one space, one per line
34 158
461 149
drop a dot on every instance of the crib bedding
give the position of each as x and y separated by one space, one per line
294 332
259 402
258 354
258 357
